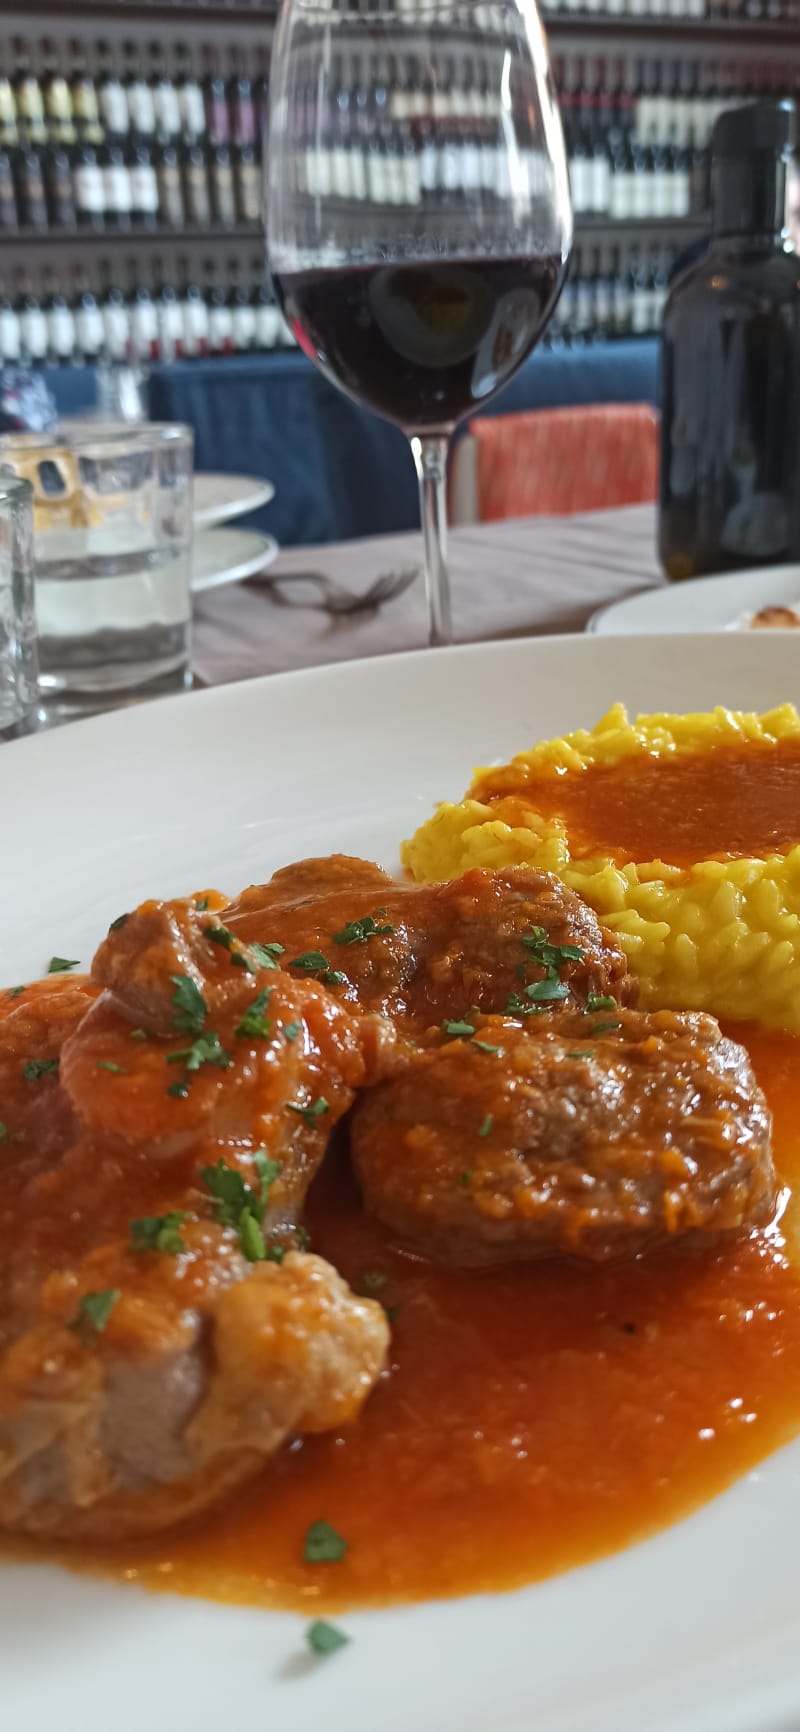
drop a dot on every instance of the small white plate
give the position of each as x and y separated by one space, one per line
218 498
229 556
703 604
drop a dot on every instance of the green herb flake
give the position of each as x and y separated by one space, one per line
582 1052
485 1046
201 904
466 1180
268 1171
61 964
117 924
275 1253
313 962
551 957
322 1544
94 1310
3 1132
14 991
220 935
206 1049
39 1067
189 1006
604 1027
309 1114
546 991
178 1090
266 955
292 1030
596 1001
359 931
487 1126
372 1281
231 1194
251 1237
302 1239
117 1069
458 1030
159 1233
138 1034
254 1024
325 1638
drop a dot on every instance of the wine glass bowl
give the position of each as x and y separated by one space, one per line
419 222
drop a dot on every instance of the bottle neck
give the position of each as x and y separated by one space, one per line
748 197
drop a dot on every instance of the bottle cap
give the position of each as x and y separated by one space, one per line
767 126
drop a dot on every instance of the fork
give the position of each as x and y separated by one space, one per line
336 599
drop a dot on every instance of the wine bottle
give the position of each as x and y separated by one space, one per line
190 97
28 96
61 338
171 207
243 317
115 315
196 194
58 188
247 179
32 323
194 315
144 185
166 102
731 358
138 96
10 336
220 318
111 99
87 183
31 202
56 97
117 190
9 216
83 97
240 102
220 179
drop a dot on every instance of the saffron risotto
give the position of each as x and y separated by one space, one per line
717 929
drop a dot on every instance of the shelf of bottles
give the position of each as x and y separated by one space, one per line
142 161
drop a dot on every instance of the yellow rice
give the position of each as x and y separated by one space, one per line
722 935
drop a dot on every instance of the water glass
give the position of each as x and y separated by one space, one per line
112 525
18 661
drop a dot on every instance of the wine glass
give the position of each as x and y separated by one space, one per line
418 212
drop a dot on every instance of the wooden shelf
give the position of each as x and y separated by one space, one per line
724 32
131 237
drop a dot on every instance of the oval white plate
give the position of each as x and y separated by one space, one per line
229 556
696 1630
218 498
703 604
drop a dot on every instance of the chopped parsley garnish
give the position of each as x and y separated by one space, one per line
107 1064
596 1001
322 1544
372 1280
487 1126
313 962
550 956
37 1067
61 964
292 1030
237 1205
582 1052
309 1114
302 1239
201 904
359 931
254 1025
178 1090
534 997
604 1027
159 1233
458 1030
94 1310
14 991
485 1046
206 1049
189 1006
3 1132
120 921
139 1034
266 955
466 1180
325 1638
220 935
275 1253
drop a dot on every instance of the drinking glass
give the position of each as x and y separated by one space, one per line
418 212
18 663
112 531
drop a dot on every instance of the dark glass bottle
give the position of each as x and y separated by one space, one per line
83 96
116 185
28 96
87 182
31 203
196 196
171 209
58 189
220 175
731 363
9 219
144 185
247 173
56 97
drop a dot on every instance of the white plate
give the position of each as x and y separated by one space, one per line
229 555
218 498
703 604
696 1630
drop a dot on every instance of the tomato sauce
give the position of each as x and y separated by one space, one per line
729 802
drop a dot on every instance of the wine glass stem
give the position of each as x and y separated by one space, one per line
430 457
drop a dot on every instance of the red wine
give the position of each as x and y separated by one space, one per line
422 344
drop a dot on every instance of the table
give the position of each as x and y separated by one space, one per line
521 577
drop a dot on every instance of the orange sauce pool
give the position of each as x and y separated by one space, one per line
742 800
533 1418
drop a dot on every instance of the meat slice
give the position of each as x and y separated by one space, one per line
593 1137
433 951
195 1369
159 1335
